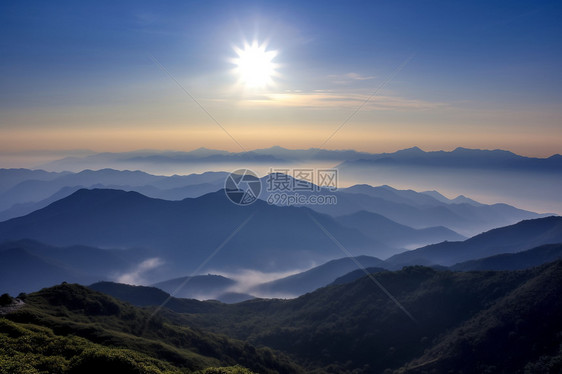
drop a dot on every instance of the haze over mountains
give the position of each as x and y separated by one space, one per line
161 241
458 158
487 176
353 326
510 239
153 228
118 216
32 264
141 231
24 191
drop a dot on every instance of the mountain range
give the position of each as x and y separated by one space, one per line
147 240
186 233
514 261
423 211
25 191
30 265
436 321
510 239
531 248
460 157
72 329
484 175
319 276
418 210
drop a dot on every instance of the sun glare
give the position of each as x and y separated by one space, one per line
254 65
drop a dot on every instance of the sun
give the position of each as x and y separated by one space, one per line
254 65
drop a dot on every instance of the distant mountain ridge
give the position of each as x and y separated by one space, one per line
185 232
419 210
530 252
514 261
460 157
377 226
510 239
407 207
34 189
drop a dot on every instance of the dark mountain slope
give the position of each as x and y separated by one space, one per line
68 311
514 261
206 286
152 296
319 276
186 232
355 326
521 332
83 259
352 276
394 234
32 190
21 209
521 236
462 322
25 272
28 190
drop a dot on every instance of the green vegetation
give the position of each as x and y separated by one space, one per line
71 329
356 328
29 348
463 322
520 332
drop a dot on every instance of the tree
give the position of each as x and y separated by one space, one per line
5 299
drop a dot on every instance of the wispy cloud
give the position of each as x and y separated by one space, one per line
247 280
323 100
137 275
349 78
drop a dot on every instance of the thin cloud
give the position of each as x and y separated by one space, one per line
136 276
247 280
322 100
349 78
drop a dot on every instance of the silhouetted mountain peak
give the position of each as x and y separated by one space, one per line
410 151
387 187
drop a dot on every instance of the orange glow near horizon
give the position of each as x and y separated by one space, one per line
189 138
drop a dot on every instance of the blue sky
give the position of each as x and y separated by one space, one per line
476 74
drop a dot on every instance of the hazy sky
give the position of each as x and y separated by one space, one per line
85 75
